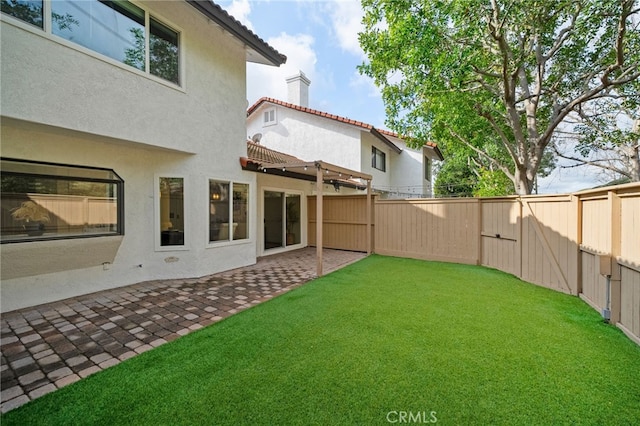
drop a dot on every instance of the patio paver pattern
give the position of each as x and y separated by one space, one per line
50 346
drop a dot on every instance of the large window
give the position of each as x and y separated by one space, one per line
378 159
51 201
171 211
29 11
117 29
228 211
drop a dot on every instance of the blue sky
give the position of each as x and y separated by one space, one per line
320 38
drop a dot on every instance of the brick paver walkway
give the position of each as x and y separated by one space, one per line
50 346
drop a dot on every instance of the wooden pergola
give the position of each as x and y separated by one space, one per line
322 173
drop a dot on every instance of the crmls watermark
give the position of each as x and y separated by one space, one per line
412 417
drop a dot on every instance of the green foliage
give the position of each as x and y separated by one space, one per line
455 178
501 74
492 183
472 344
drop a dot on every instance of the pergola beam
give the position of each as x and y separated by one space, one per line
311 165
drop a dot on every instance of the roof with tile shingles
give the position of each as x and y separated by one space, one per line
262 154
338 118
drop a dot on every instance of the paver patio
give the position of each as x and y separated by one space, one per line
50 346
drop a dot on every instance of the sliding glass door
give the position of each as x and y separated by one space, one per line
282 215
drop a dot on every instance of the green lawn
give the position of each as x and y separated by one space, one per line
378 340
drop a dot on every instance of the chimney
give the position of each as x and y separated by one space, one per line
298 86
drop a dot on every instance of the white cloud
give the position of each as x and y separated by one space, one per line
346 20
269 81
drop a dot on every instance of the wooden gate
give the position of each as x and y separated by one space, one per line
534 238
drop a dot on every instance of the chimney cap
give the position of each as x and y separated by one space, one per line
300 76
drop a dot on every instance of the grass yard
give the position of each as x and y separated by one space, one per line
383 340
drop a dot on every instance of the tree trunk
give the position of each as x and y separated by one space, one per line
522 184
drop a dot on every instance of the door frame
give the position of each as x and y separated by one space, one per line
303 221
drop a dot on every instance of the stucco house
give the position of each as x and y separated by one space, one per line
122 125
292 127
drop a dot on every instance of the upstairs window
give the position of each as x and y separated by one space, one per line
29 11
427 168
43 201
269 117
117 29
378 159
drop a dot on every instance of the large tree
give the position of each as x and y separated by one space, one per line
499 74
606 135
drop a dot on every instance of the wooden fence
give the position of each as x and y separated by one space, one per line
344 222
585 244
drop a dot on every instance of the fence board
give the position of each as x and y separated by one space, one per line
630 307
630 224
344 222
428 229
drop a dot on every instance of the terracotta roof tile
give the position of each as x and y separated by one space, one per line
310 111
261 154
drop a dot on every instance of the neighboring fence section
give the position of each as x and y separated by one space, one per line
344 222
428 229
585 244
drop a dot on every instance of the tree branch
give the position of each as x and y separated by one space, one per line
492 160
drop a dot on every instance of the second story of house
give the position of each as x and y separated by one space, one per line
292 127
167 74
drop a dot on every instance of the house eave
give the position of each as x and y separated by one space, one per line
258 50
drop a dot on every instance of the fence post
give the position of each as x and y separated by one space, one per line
616 238
575 238
479 260
578 214
519 243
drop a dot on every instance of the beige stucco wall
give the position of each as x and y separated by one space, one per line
62 104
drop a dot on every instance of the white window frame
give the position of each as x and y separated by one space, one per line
269 122
186 213
231 240
46 33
